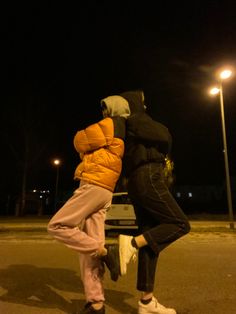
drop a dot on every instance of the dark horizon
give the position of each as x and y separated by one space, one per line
59 61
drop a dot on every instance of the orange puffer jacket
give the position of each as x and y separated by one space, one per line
101 153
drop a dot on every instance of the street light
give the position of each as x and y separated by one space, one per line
57 163
225 74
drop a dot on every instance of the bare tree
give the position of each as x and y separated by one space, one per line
25 136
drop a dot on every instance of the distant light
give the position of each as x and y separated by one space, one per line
225 74
45 191
56 162
178 194
190 194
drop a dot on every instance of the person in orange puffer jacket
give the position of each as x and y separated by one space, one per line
79 224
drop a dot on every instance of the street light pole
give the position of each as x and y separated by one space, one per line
225 74
227 176
57 164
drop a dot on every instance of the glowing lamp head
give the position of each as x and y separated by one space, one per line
214 91
225 74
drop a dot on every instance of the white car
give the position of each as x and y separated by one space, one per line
120 215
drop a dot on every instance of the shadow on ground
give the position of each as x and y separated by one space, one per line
34 286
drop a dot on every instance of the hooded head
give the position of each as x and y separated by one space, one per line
136 100
115 106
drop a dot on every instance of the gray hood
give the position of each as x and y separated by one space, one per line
116 106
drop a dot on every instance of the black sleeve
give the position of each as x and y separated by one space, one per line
143 127
119 127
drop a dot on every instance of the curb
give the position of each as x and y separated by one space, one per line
196 226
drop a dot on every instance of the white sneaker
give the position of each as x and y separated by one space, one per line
154 308
126 251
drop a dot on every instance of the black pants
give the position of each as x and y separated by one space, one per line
159 218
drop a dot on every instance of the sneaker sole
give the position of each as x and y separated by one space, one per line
122 245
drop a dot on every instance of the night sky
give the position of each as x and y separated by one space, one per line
58 60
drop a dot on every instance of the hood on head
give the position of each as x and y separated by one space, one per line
116 106
136 100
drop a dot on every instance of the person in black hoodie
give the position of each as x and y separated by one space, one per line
160 219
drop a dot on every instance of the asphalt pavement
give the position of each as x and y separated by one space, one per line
38 275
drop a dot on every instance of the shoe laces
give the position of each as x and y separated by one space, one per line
134 257
155 301
157 304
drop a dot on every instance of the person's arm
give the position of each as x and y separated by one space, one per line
119 127
143 127
94 136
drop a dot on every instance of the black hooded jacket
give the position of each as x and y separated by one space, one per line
146 140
